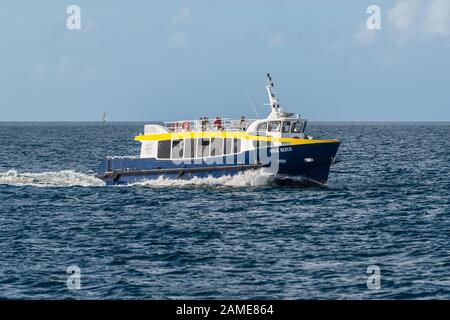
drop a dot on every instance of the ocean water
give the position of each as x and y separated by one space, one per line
387 205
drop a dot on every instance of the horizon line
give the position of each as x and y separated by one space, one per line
148 121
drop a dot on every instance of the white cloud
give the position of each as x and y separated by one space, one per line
437 19
178 37
363 35
183 17
412 18
65 68
403 16
88 73
332 45
178 40
275 40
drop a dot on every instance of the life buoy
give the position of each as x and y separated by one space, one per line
186 126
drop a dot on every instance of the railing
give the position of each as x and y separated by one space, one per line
225 124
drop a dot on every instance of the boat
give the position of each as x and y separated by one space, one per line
201 148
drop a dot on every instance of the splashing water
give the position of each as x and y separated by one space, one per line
69 178
65 178
251 178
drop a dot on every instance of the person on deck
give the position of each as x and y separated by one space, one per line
186 126
204 121
243 123
218 123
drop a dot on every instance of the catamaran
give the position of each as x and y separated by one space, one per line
201 148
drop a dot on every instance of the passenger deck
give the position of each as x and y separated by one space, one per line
227 124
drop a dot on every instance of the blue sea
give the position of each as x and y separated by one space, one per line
386 206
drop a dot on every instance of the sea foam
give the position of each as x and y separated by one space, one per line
65 178
250 178
69 178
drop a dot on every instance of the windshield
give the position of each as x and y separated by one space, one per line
274 126
297 127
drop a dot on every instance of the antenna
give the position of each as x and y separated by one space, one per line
251 103
273 102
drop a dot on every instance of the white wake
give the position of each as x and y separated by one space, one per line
65 178
251 178
70 178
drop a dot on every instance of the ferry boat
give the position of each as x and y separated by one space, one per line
185 149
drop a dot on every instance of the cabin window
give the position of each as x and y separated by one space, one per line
286 126
164 149
262 127
274 126
216 147
227 146
189 148
236 145
297 127
203 146
177 149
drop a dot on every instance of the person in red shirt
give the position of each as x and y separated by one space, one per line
218 123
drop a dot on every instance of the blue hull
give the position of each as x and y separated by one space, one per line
308 163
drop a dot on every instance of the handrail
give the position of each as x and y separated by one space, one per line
225 124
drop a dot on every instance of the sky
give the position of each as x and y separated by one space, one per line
173 60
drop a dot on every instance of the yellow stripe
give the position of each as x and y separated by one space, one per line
223 134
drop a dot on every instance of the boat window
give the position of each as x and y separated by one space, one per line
177 149
227 146
286 126
262 127
274 126
297 127
236 145
203 148
216 147
164 149
189 148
